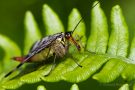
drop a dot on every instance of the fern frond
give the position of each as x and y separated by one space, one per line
105 58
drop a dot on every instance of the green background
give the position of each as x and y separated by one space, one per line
12 25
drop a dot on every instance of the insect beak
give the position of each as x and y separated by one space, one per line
71 39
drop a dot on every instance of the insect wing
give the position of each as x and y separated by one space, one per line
34 46
42 44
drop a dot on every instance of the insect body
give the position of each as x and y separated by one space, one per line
53 44
56 45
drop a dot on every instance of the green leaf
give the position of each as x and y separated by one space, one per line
12 84
129 72
35 76
32 33
89 66
11 50
2 88
74 87
118 42
97 41
134 86
32 77
73 19
65 67
110 71
110 65
132 51
51 20
41 87
124 87
1 76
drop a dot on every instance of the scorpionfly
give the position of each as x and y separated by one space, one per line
56 45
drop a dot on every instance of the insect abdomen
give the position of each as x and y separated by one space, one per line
41 56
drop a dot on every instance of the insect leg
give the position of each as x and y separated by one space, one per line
66 47
74 59
48 53
81 42
25 60
14 69
52 67
77 63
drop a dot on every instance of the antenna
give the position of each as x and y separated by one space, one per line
83 18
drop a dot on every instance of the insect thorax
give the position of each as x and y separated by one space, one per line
60 47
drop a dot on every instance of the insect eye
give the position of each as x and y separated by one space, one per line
67 35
